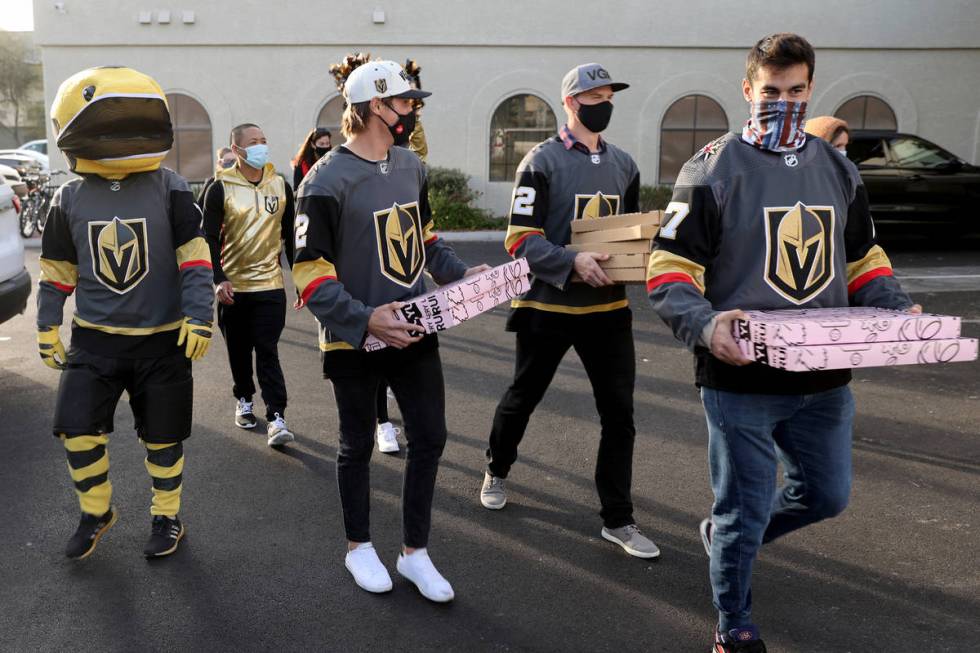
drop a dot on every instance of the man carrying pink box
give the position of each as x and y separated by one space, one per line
767 219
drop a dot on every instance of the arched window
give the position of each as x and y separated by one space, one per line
867 112
519 123
330 117
192 156
690 123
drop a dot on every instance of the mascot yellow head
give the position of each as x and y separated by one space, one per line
112 121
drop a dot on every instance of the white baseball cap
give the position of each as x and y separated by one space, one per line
379 79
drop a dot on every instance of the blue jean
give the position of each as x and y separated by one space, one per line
811 436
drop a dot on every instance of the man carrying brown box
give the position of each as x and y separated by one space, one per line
574 176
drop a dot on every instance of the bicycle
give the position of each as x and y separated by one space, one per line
34 212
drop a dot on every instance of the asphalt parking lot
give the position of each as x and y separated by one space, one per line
262 565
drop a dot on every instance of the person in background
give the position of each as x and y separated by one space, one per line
248 222
833 130
386 434
224 159
417 142
315 145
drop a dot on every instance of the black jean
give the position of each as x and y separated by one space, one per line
610 363
254 323
416 380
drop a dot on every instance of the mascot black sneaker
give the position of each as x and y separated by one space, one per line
166 535
91 528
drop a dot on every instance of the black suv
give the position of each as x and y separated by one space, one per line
916 186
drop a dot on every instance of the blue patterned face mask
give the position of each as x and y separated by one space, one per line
776 125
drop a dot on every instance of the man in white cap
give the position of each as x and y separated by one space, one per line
363 236
572 302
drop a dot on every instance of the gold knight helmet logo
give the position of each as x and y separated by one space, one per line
598 205
401 252
799 250
119 253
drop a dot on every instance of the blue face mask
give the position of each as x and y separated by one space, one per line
257 155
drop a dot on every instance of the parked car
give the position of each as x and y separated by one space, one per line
23 164
14 180
15 282
40 145
916 186
42 159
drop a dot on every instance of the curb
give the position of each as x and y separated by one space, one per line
472 236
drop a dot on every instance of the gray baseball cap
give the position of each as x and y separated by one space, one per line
588 76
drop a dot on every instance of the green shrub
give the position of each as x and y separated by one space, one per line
452 201
654 198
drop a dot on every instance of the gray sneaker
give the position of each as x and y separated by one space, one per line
632 540
492 494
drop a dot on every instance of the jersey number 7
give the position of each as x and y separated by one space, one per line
674 214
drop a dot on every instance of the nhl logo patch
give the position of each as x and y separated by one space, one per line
383 167
271 203
381 85
596 159
791 160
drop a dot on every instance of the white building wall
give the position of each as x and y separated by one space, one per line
249 61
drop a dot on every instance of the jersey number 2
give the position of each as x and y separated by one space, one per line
674 214
523 201
302 224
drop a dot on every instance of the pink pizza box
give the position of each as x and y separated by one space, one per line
805 358
452 304
829 326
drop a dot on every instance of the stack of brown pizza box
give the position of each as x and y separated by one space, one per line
626 238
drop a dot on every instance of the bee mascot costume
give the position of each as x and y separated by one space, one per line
127 236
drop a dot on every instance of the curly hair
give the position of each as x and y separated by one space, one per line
341 71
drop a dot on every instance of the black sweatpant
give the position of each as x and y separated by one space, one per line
609 361
382 403
416 380
253 324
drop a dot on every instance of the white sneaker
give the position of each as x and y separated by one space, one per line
387 438
278 433
244 417
366 568
418 568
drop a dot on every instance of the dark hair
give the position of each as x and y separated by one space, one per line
779 51
841 129
237 130
305 152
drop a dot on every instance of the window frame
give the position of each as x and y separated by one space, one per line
693 129
178 129
509 178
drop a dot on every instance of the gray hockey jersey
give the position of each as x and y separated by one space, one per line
363 236
753 229
131 250
557 182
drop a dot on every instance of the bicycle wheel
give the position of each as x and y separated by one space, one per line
27 220
42 213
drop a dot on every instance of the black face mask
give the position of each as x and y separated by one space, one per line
595 117
402 128
318 152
